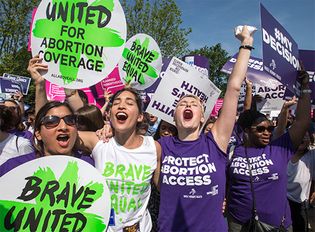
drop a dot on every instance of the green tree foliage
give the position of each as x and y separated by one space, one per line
217 58
15 17
160 19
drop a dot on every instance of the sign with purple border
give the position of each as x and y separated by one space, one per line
24 81
280 51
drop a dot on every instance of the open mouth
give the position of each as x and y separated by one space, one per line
121 116
188 114
63 140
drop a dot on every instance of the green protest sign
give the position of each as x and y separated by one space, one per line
55 193
141 63
81 41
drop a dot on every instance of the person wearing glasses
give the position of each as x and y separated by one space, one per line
55 133
257 171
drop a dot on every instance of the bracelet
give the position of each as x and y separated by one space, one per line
306 91
246 47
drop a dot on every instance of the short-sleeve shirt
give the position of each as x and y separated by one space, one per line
269 174
192 189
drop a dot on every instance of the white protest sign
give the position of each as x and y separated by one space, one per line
81 41
272 97
54 193
180 79
141 63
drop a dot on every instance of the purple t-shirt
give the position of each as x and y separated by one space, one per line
269 171
17 161
192 185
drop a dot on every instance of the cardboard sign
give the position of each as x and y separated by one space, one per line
24 81
280 51
54 193
180 79
81 41
141 63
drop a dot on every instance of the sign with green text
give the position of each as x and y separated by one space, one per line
54 193
81 41
141 63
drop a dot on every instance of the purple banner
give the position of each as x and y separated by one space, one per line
9 86
23 81
255 72
201 63
280 51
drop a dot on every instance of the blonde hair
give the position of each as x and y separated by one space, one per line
194 97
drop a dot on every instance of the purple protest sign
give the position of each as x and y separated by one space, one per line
24 81
201 63
9 86
280 51
255 72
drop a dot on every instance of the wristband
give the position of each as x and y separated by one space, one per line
306 91
247 47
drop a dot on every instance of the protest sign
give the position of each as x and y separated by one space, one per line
272 97
141 62
81 41
280 51
24 81
180 79
95 94
9 86
54 193
255 71
201 63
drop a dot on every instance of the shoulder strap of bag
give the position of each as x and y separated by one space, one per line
254 210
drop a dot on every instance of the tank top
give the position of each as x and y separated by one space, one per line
128 173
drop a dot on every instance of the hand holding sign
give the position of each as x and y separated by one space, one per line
35 68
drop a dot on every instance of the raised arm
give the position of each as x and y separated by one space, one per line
283 118
248 95
222 128
303 112
35 67
73 98
87 140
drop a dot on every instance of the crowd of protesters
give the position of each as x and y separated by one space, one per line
202 174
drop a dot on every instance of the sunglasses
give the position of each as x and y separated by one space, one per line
261 129
52 121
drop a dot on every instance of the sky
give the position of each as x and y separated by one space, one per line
213 21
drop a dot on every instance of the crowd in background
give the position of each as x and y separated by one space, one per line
239 146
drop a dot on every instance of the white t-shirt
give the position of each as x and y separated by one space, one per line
300 175
128 173
14 146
